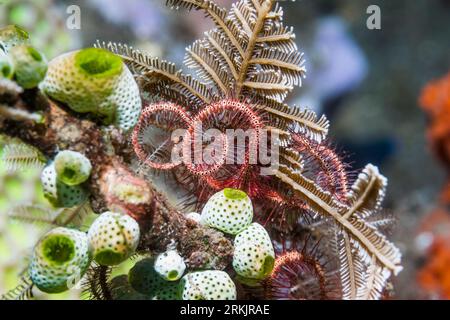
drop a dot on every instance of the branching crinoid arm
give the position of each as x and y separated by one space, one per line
216 57
250 50
21 156
266 43
23 291
294 119
367 257
153 69
48 217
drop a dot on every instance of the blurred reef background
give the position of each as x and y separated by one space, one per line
368 82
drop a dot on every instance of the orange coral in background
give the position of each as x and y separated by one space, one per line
435 100
435 275
437 223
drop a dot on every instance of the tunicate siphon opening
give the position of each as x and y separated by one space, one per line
98 62
58 249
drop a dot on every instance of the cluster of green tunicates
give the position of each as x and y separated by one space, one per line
113 238
92 80
154 278
231 211
19 60
161 278
164 277
63 255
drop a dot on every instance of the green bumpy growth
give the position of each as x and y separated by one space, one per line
208 285
95 81
72 168
170 265
6 66
58 193
113 238
229 210
59 260
11 36
145 279
253 256
30 66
